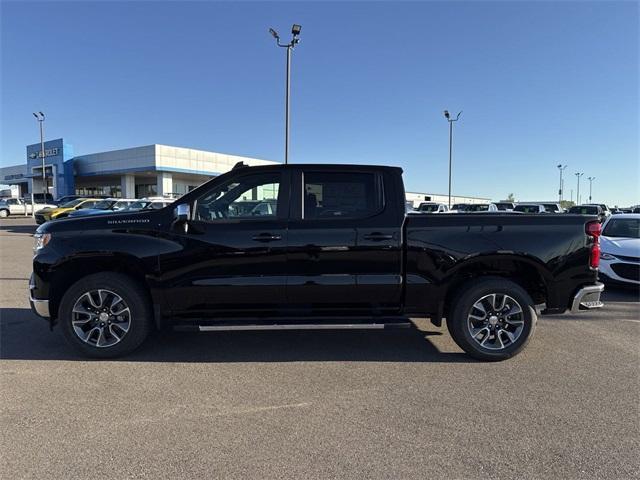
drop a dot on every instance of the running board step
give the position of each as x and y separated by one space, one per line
292 326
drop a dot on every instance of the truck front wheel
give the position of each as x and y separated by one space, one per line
105 315
492 319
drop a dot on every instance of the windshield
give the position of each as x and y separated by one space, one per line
504 206
623 227
584 210
527 208
138 205
121 204
72 203
551 207
477 208
104 205
426 207
459 206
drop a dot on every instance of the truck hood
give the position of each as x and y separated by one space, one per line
628 247
114 220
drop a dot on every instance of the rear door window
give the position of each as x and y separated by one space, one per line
335 195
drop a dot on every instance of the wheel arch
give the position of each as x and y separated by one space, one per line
527 272
69 272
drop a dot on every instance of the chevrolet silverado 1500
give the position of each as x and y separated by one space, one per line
305 247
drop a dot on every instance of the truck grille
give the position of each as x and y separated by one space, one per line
626 270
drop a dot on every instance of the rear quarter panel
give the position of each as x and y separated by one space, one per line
442 248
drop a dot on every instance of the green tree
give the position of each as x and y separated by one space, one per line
511 198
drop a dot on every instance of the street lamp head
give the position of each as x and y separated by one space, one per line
35 114
295 30
446 114
274 34
41 114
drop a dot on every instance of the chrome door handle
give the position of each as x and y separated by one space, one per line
266 237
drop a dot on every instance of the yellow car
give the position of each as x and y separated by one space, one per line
63 210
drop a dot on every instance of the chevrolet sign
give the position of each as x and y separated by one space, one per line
50 152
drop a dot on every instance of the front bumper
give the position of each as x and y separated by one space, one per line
38 306
588 298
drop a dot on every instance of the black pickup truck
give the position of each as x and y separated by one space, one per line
310 247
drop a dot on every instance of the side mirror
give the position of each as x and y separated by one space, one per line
182 212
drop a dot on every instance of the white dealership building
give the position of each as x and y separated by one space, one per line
137 172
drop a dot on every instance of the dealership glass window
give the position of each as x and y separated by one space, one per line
146 190
250 196
341 195
109 190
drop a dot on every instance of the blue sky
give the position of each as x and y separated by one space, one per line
540 83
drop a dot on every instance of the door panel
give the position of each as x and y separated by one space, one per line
343 256
233 257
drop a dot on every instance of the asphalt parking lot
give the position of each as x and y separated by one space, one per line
400 404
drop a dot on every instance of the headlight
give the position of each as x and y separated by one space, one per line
607 256
40 240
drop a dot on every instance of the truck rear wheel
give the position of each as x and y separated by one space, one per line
492 319
105 315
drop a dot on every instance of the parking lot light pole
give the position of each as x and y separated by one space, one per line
578 175
591 179
561 168
40 117
450 120
295 32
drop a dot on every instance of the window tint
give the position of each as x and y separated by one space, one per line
250 197
584 210
623 227
428 207
340 195
527 208
477 208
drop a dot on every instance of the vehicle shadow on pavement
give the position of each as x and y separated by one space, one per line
621 294
20 229
23 336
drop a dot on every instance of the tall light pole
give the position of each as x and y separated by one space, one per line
591 179
40 117
578 175
561 168
450 120
295 31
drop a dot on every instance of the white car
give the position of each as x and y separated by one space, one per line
620 249
16 206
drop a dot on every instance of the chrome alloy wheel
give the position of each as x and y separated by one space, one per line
495 321
101 318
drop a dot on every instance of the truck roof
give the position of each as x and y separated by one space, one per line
320 166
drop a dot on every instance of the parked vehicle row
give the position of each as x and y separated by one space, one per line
17 206
600 210
85 207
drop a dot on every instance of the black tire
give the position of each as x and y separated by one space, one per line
461 307
134 297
